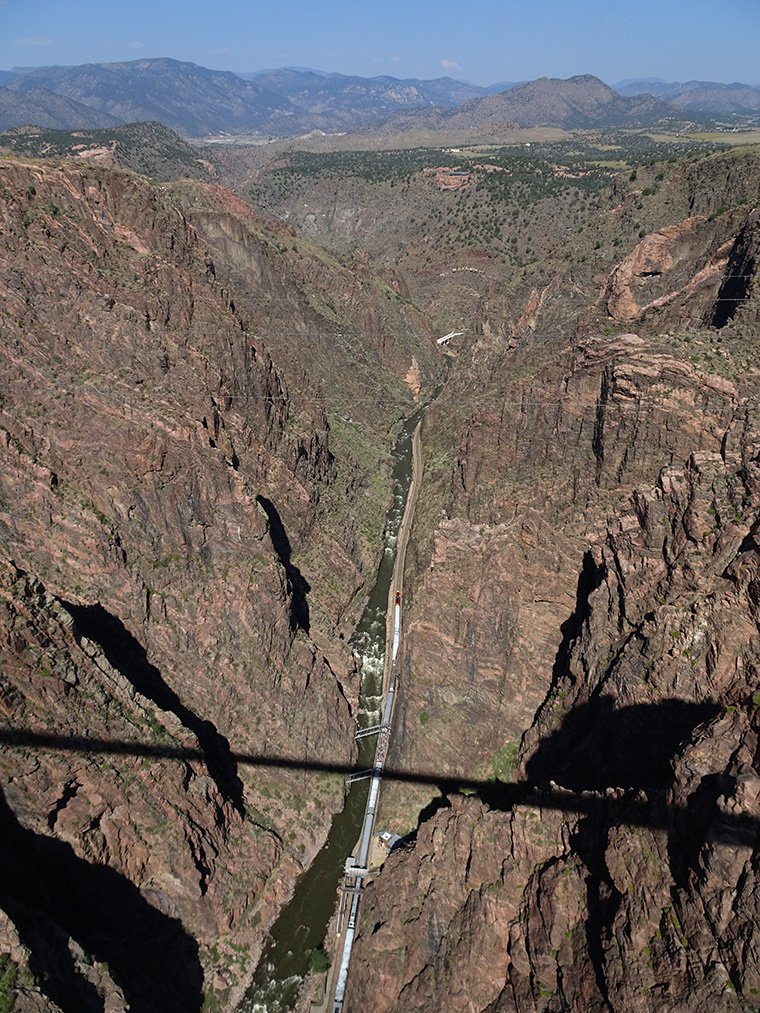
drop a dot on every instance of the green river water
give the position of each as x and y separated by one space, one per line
302 924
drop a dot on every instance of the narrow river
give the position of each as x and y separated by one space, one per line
302 924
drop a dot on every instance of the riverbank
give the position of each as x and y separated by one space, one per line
354 880
303 923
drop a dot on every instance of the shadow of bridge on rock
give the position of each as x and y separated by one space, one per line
130 659
601 757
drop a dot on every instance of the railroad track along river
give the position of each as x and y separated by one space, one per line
356 868
302 924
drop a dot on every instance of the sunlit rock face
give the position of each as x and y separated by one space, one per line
620 863
582 626
193 480
184 537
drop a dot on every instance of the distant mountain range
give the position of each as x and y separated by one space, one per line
579 102
195 101
45 108
702 96
189 99
311 91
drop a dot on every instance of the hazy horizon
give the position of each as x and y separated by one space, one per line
491 43
245 74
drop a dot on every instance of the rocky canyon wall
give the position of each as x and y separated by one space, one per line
184 534
581 656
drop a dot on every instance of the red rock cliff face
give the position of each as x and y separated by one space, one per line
618 584
347 345
686 274
154 453
581 651
538 439
674 250
537 472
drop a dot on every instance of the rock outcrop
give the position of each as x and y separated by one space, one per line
619 587
580 655
687 273
190 508
183 530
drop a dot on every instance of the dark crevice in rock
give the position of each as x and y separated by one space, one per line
563 1003
749 544
441 801
740 274
299 586
589 579
602 898
731 295
597 440
434 806
128 656
202 867
54 897
689 827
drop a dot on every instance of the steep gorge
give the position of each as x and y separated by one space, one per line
173 481
196 409
581 654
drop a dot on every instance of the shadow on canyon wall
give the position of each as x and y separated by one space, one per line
299 586
130 659
596 749
589 579
611 765
56 898
600 746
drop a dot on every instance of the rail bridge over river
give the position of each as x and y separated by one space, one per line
356 866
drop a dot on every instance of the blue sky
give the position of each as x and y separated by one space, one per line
483 41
